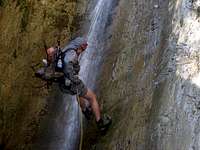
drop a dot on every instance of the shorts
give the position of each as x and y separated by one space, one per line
74 89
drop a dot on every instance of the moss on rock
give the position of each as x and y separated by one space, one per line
25 27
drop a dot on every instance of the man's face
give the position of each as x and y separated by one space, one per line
82 48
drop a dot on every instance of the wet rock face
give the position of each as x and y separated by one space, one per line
26 26
150 79
140 31
180 97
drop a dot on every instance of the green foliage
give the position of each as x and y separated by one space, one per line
21 3
24 9
25 18
3 3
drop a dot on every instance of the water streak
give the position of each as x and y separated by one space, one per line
92 59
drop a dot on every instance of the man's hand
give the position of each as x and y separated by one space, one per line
48 74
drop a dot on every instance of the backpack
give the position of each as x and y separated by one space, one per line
59 58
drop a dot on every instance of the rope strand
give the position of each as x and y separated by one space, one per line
81 122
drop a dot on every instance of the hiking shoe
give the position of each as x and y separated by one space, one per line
104 123
87 113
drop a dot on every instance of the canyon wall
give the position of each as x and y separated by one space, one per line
150 79
26 27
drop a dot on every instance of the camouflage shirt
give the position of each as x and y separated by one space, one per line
71 66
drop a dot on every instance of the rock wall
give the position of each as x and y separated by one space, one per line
149 82
140 30
175 123
26 26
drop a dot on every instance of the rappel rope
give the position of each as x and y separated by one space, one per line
81 121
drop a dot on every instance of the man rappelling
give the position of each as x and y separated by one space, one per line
63 66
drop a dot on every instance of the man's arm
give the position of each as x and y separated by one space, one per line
47 75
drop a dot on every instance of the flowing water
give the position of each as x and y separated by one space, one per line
92 58
60 129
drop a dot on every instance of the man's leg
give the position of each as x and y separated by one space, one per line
91 97
103 122
86 108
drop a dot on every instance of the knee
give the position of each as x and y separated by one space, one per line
93 95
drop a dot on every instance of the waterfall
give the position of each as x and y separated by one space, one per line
92 57
90 62
63 130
